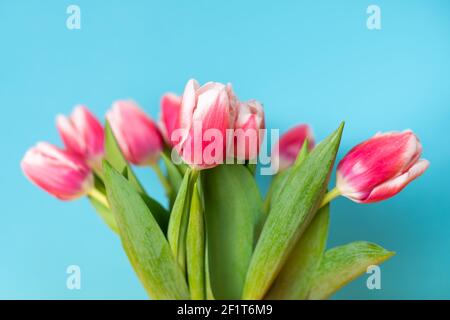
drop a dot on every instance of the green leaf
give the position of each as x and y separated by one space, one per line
195 248
232 212
290 215
174 176
303 153
251 167
294 280
181 167
279 180
179 218
115 157
97 198
105 213
209 292
342 264
99 185
143 240
159 212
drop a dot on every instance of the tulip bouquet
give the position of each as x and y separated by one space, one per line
217 237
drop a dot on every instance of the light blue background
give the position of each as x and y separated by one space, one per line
310 61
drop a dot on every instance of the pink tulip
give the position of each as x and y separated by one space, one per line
380 167
60 173
83 135
138 136
250 120
289 145
207 110
170 109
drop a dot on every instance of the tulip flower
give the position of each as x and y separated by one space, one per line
380 167
170 109
289 145
83 135
250 120
61 173
206 114
137 135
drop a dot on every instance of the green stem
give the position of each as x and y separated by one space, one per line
103 209
194 175
195 248
100 197
162 178
330 196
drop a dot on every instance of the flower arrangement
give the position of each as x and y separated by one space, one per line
217 237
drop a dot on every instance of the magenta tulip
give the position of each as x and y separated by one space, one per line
83 135
380 167
248 130
289 145
60 173
138 136
206 114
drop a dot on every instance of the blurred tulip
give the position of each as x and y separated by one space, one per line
206 113
60 173
83 135
250 119
170 109
289 145
137 134
380 167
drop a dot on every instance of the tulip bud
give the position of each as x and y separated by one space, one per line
289 145
137 134
248 130
170 109
83 135
60 173
380 167
206 113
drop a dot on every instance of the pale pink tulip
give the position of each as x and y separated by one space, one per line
170 109
138 136
289 145
248 130
60 173
83 135
380 167
205 111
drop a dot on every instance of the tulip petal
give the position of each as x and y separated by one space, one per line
188 104
375 161
286 151
136 133
83 135
394 186
250 119
170 109
60 173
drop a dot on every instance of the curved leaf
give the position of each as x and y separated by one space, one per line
279 180
179 218
342 264
158 211
105 213
294 280
290 215
116 159
143 240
